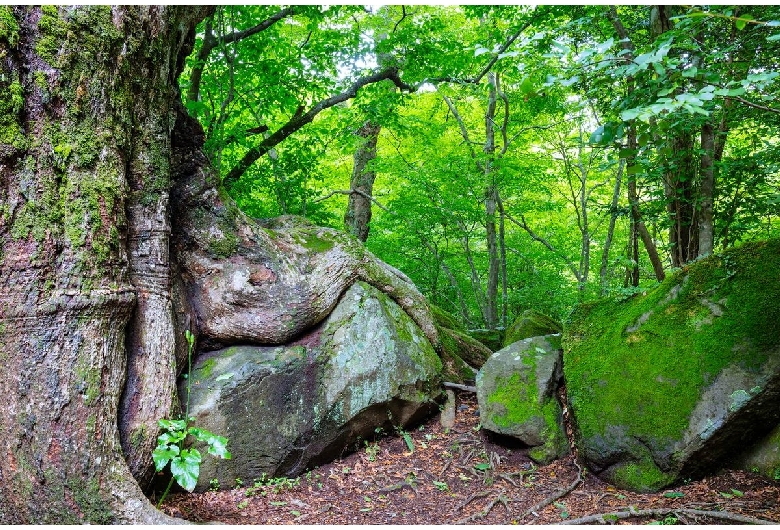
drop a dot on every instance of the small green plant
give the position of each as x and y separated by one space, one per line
407 438
213 485
372 449
441 486
562 507
184 462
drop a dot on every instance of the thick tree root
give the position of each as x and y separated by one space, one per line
611 517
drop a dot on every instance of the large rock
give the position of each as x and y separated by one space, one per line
492 338
288 408
669 384
530 324
516 392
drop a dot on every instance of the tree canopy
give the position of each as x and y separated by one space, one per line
525 157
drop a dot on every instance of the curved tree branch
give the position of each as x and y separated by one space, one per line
303 118
210 41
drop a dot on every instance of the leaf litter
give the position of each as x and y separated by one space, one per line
428 475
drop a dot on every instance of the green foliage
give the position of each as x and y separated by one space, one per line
578 114
185 462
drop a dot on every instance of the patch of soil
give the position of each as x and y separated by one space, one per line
433 476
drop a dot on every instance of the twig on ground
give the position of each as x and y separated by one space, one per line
472 497
552 498
398 486
605 518
443 469
501 497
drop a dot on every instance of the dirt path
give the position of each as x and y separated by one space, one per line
429 476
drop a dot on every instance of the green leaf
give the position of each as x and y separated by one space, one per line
163 454
172 425
409 442
170 438
218 447
482 466
186 468
742 21
480 50
674 494
773 38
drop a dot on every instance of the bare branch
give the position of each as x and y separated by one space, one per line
457 386
463 131
303 118
350 192
522 224
756 105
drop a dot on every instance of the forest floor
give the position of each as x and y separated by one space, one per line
433 476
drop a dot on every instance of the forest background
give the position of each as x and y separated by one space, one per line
505 157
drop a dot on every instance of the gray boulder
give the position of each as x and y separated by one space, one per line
287 408
516 390
671 384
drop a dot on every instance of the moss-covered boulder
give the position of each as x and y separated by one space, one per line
516 392
669 384
287 408
492 338
530 324
763 456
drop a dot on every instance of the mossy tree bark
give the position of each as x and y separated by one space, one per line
84 274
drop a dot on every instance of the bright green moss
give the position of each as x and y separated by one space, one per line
205 369
530 324
518 399
643 476
638 367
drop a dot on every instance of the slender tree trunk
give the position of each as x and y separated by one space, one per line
491 204
357 218
613 215
659 23
707 192
84 273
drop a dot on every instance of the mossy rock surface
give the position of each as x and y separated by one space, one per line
287 408
492 338
669 384
516 391
530 324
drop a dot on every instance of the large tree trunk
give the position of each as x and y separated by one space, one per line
84 273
